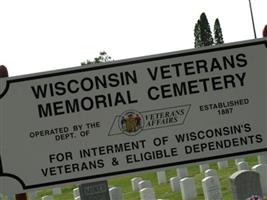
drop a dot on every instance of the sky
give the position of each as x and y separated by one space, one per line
44 35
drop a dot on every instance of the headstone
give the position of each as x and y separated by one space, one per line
203 168
10 197
115 193
175 184
94 191
245 184
56 191
31 195
188 188
147 194
182 172
242 166
161 175
134 182
262 159
210 172
239 160
47 197
223 164
262 170
211 188
76 193
144 184
213 173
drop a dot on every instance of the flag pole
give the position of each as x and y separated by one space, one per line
252 18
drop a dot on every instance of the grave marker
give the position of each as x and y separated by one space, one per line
175 184
115 193
76 193
182 172
262 170
223 164
188 188
94 191
242 166
262 159
56 191
213 173
144 184
239 160
147 194
134 182
161 175
32 195
210 172
47 197
10 197
245 184
203 168
211 188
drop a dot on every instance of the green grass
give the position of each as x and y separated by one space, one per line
162 191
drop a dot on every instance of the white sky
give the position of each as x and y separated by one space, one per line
41 35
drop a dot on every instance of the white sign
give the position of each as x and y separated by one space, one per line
92 123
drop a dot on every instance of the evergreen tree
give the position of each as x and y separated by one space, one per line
205 32
198 41
203 35
218 36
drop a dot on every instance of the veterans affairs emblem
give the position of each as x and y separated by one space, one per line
131 122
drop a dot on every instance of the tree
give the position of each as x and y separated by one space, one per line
198 41
203 35
218 36
103 57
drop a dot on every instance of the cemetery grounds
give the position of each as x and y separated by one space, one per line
162 191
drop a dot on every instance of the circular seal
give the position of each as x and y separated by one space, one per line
131 122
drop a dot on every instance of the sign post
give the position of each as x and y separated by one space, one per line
4 74
93 123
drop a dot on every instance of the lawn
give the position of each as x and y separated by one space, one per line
162 191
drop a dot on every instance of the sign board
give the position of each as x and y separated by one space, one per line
92 123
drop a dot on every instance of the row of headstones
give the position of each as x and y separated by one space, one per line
115 193
211 184
185 185
55 192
